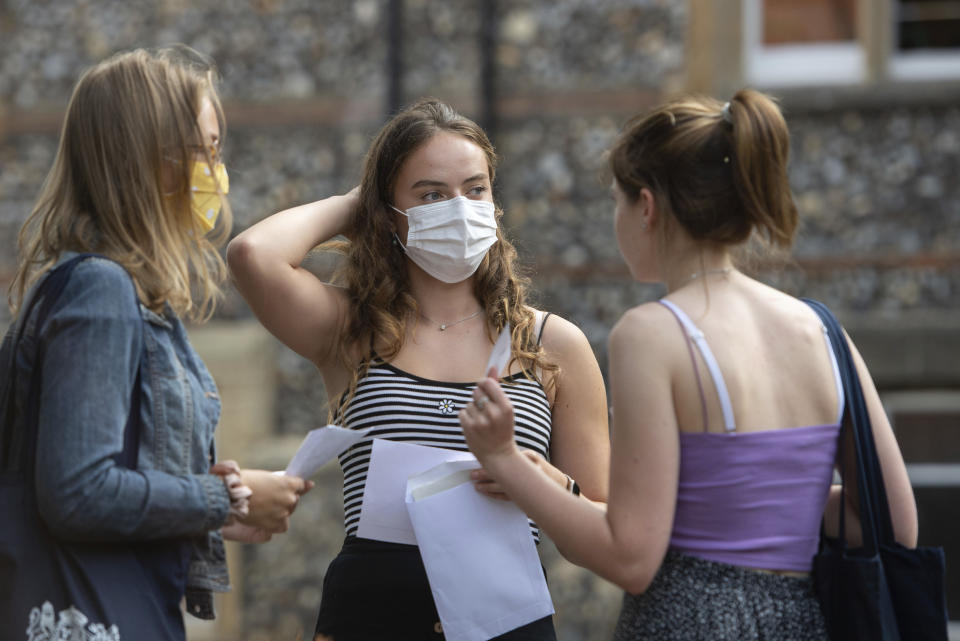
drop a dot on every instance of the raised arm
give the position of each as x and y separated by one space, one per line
305 313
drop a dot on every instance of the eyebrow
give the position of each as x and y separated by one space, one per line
439 183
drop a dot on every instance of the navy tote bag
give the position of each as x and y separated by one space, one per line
51 588
881 591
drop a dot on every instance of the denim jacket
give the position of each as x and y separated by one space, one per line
96 336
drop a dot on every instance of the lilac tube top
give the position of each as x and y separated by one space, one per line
754 499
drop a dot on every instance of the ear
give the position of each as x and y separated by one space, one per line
646 208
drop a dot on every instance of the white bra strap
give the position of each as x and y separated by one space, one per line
697 336
841 399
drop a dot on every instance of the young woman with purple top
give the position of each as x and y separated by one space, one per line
726 397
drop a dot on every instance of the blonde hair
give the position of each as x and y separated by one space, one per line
130 127
719 170
375 270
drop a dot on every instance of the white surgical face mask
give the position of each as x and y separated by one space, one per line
448 239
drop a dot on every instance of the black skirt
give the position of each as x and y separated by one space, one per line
692 599
374 591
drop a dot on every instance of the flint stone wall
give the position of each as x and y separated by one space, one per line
305 84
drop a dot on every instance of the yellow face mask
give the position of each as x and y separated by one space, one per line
205 200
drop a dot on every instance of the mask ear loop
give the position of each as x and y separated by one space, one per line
396 239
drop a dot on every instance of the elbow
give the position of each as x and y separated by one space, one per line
245 258
91 509
908 540
904 517
630 574
636 580
61 515
631 563
906 530
240 252
633 573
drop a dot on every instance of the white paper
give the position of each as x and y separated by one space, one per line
319 446
481 561
383 511
500 355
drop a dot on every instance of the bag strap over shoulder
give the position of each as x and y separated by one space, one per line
46 294
874 509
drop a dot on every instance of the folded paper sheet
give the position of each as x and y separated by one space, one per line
319 446
482 563
383 512
500 354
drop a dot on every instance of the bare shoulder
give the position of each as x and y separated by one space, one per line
783 312
561 337
556 328
646 324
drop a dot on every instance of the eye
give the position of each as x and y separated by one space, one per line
432 196
477 190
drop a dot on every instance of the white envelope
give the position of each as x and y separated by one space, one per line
481 561
383 511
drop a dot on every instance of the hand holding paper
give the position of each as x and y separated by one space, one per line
488 423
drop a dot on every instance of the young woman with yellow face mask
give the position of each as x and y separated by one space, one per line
108 412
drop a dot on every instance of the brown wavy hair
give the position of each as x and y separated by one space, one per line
130 127
721 173
375 270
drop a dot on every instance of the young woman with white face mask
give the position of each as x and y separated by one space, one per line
429 283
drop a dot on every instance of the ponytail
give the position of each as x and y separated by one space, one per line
761 146
719 169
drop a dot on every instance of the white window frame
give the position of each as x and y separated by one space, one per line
920 400
793 65
920 64
917 402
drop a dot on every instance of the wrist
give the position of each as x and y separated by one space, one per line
572 485
346 207
502 459
229 473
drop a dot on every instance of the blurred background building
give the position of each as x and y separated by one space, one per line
870 89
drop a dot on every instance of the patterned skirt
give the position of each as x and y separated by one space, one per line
692 599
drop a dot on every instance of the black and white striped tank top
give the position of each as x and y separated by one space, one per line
403 407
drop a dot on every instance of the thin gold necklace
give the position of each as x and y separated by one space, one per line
443 326
707 272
